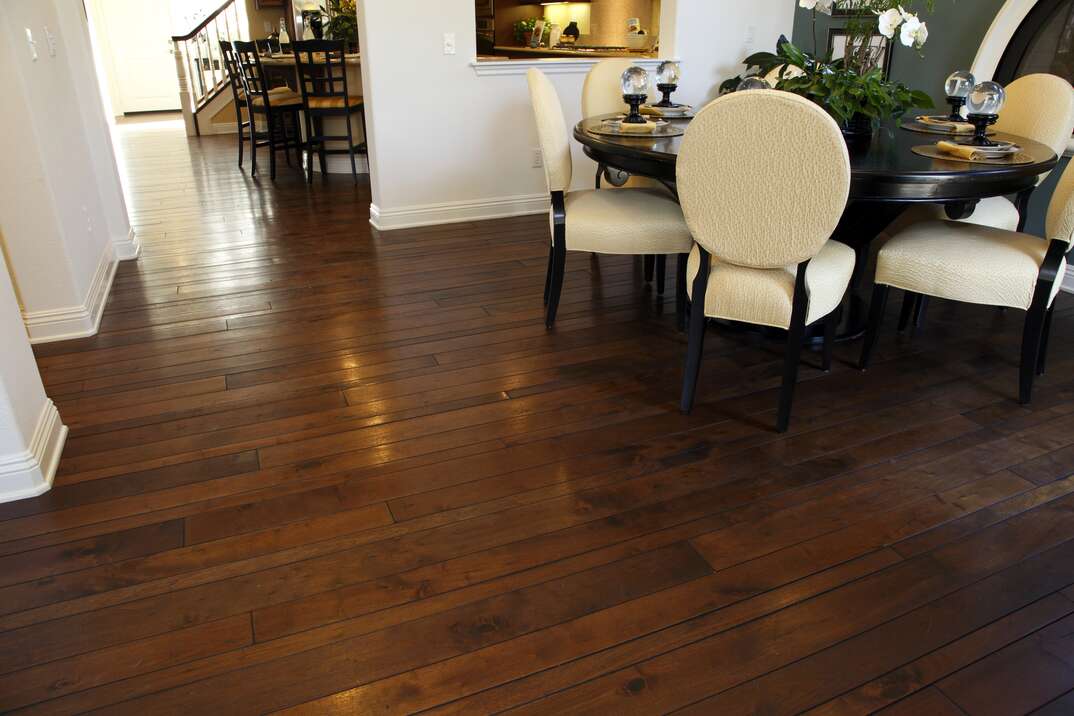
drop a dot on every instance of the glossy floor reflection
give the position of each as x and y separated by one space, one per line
313 467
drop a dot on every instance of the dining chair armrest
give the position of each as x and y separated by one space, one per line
559 208
1049 268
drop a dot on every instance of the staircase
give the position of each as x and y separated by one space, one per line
203 80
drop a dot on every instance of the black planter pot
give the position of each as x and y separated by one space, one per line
858 131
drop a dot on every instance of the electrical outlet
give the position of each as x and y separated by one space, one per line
538 158
449 43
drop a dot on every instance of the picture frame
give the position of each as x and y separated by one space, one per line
849 8
837 43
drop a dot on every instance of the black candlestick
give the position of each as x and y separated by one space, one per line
635 101
956 108
981 123
666 90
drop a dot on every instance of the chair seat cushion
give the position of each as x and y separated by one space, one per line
626 221
335 102
765 297
996 211
284 98
964 262
275 91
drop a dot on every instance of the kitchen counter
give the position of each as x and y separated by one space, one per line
578 53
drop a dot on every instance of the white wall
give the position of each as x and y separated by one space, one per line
448 144
31 433
63 219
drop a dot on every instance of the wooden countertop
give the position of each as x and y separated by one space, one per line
288 60
548 52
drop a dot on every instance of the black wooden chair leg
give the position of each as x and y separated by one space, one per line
600 173
830 324
272 145
350 149
1046 335
309 150
242 135
680 291
649 263
909 298
696 343
548 273
559 260
1032 336
253 146
322 150
876 317
661 273
284 135
793 356
921 306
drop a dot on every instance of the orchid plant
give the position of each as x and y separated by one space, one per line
853 88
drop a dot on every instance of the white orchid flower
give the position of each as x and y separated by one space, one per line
914 32
823 6
889 21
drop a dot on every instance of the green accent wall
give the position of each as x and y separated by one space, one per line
956 30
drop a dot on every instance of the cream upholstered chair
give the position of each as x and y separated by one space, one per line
602 94
763 180
603 221
1039 107
981 264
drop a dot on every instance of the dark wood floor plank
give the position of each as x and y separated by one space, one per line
318 467
1019 678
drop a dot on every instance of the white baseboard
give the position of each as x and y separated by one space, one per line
1068 280
61 324
30 473
453 212
127 248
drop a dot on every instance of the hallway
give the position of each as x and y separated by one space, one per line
312 466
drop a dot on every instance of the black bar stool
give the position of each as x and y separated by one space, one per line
322 77
279 106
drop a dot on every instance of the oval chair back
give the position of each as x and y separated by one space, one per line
1060 221
763 178
602 91
551 131
1039 107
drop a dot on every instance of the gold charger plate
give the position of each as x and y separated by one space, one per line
933 152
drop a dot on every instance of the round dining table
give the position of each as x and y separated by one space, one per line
887 176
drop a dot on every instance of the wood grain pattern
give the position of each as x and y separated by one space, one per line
316 469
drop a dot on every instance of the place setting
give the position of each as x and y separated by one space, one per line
983 102
644 119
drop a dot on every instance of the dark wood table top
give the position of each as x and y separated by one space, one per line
885 170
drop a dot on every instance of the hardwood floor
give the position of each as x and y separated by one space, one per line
317 469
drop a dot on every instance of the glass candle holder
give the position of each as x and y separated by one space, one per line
958 87
752 83
635 86
983 105
667 81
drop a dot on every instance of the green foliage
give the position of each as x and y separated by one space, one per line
522 27
343 23
843 92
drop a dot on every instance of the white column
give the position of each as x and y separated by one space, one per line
63 216
31 432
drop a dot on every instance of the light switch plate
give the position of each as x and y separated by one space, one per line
50 42
449 43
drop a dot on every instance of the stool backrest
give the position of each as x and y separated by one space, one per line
322 69
253 74
763 178
234 74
